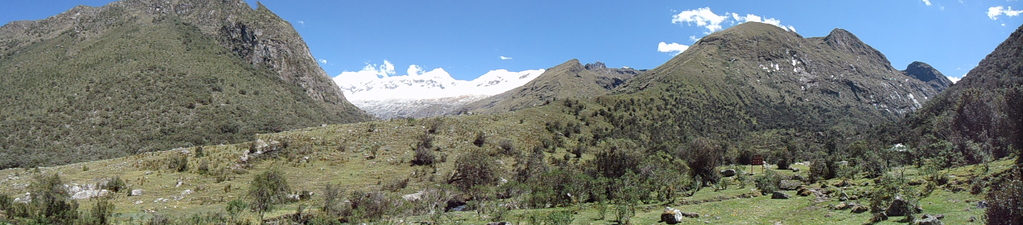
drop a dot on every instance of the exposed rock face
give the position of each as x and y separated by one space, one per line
923 71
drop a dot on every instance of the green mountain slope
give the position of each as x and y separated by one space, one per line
978 118
755 84
139 76
568 80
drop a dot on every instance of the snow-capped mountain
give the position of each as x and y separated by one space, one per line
420 93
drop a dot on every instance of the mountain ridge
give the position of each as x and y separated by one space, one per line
138 76
570 79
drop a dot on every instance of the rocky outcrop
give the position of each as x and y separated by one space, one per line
924 72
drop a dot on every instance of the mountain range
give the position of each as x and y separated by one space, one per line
422 94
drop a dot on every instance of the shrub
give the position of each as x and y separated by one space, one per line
703 158
481 138
423 156
268 189
235 207
768 182
331 198
474 168
368 206
114 184
1006 199
101 212
51 202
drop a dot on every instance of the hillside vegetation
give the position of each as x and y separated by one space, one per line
97 83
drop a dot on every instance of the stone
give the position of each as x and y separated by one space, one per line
789 185
928 219
859 209
878 217
691 215
136 192
780 195
795 169
982 205
727 173
899 207
499 223
842 206
671 216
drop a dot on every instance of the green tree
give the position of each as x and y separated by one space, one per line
51 202
267 190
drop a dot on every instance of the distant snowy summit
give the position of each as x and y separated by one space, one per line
380 92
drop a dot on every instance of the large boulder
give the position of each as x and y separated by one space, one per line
780 195
859 208
671 216
727 173
789 185
900 207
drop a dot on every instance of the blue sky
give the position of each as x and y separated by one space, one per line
470 38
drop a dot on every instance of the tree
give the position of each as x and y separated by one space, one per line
474 168
703 159
51 203
267 190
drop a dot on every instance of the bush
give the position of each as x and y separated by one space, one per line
114 184
481 138
703 158
768 182
1006 199
268 189
367 206
474 168
101 212
331 199
51 203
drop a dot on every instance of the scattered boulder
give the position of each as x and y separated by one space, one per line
795 169
691 215
982 205
136 192
414 196
789 185
727 173
671 216
842 206
900 207
780 195
499 223
859 209
928 219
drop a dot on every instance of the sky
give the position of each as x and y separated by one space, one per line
470 38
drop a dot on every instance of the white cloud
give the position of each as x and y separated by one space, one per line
759 19
994 12
693 38
505 58
702 17
954 79
927 2
324 61
673 48
414 70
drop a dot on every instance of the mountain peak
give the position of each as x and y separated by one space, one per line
843 40
924 72
595 65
